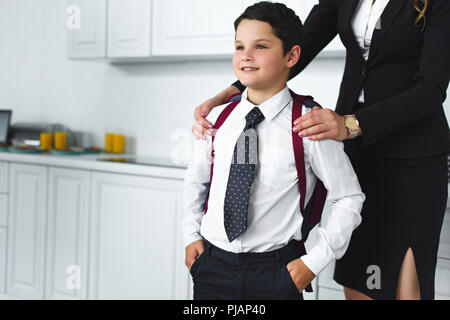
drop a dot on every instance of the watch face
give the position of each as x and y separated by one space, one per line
351 123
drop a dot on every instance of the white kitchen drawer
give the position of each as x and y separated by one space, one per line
330 294
3 245
326 278
442 281
3 210
3 177
444 244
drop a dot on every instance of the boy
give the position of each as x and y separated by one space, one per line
247 244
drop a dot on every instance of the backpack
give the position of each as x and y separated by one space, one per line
312 212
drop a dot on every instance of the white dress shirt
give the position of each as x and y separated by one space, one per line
367 17
274 215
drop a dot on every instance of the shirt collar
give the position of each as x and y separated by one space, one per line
271 107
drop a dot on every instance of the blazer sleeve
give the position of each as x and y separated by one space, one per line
320 27
428 91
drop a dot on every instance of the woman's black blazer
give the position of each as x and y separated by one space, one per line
405 78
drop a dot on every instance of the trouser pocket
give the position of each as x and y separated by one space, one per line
194 267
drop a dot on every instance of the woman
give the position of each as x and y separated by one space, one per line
390 116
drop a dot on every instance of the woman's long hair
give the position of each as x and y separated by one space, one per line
421 12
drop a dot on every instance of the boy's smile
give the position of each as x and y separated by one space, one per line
259 61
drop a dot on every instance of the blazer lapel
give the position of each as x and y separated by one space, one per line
348 16
387 18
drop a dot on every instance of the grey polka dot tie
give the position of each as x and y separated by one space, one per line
241 176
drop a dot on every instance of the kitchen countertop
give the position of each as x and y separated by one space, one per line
156 167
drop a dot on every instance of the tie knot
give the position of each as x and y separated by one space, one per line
253 118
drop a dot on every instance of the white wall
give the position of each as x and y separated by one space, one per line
147 102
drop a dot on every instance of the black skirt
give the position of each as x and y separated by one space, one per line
405 207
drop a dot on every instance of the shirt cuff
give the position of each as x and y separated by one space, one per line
188 239
318 258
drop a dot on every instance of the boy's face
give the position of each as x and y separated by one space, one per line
259 61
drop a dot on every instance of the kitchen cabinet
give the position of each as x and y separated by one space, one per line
88 39
3 177
326 278
3 224
117 227
163 30
442 280
3 246
129 28
444 243
205 27
330 294
68 234
3 210
195 27
26 231
136 246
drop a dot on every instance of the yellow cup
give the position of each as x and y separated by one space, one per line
109 142
118 143
60 140
46 140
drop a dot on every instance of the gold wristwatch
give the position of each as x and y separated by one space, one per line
352 125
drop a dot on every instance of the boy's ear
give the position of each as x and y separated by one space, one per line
293 56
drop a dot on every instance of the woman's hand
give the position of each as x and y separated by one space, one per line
320 124
201 125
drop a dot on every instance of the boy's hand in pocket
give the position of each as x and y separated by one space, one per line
193 250
300 274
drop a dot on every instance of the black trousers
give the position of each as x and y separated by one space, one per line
223 275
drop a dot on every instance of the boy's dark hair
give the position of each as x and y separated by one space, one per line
286 25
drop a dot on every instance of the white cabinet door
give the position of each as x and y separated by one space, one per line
205 27
136 246
88 38
68 233
129 28
442 281
3 246
444 244
194 27
326 278
26 236
3 177
330 294
3 210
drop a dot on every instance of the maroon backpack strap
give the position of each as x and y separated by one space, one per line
297 143
313 211
220 120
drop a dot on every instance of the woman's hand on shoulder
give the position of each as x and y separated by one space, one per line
321 124
201 125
